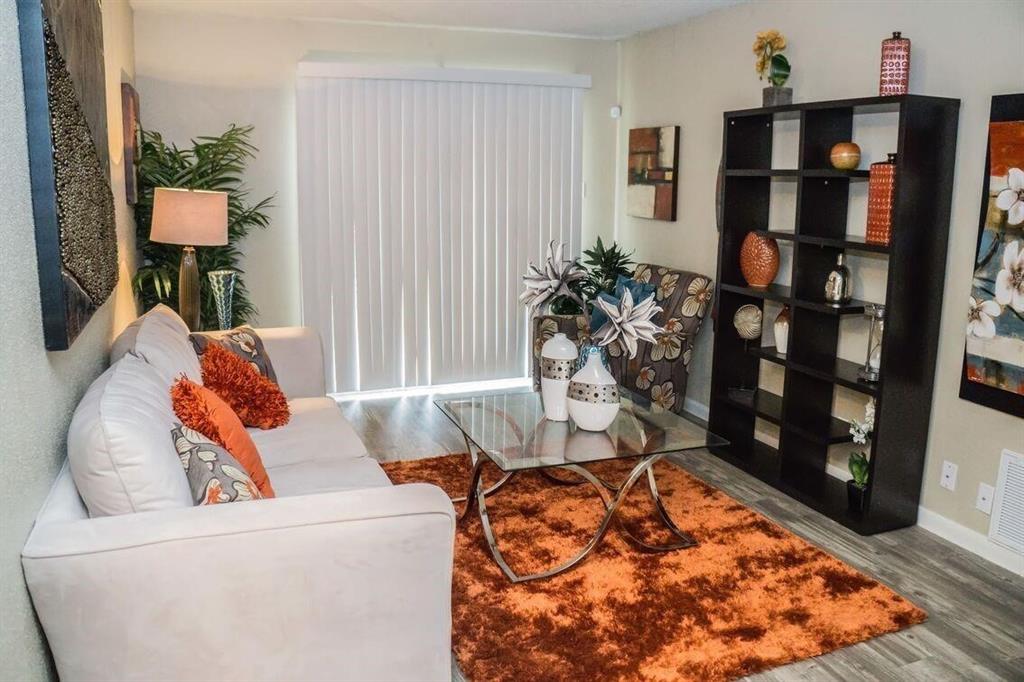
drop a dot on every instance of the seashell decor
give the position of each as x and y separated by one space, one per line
747 321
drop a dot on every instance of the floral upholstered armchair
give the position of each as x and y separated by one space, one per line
660 370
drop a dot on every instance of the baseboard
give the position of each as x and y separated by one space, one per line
971 540
696 408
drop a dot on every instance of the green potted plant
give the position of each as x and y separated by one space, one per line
772 65
603 267
856 487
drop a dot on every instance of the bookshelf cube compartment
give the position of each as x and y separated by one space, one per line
749 142
822 208
824 128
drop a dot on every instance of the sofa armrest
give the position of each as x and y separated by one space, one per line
298 358
351 585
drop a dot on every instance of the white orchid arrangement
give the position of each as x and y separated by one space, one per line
861 432
628 323
1008 285
545 285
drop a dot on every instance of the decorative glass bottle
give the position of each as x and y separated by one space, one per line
222 283
895 72
838 287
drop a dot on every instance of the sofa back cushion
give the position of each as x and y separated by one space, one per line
120 449
160 337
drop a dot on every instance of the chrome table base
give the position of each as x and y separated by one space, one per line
611 496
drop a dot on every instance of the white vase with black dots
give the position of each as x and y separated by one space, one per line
557 361
593 399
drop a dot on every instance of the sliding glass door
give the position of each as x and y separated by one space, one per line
422 195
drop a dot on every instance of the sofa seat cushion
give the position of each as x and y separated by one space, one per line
316 431
160 337
120 449
329 475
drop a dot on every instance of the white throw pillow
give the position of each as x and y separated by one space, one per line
160 337
120 449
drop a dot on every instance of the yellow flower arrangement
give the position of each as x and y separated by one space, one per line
771 64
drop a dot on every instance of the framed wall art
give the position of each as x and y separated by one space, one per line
652 172
66 124
993 365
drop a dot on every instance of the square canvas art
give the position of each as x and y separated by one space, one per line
994 358
653 169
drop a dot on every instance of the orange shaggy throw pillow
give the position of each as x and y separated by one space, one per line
201 410
256 400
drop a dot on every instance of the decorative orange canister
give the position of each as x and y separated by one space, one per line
759 260
881 190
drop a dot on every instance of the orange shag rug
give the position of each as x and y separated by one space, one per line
749 597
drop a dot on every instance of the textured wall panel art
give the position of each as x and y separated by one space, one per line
653 169
66 122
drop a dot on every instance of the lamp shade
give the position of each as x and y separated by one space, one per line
189 217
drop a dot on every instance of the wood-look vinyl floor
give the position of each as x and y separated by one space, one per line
975 629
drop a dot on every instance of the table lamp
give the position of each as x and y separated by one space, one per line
191 218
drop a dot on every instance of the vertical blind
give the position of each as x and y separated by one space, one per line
420 202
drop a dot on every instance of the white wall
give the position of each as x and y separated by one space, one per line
690 73
40 389
199 73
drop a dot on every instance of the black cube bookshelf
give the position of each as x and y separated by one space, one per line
926 147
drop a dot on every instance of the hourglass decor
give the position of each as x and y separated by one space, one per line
222 284
873 362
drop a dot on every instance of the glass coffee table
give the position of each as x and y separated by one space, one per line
510 431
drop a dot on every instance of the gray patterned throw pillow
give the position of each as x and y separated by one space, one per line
214 476
243 342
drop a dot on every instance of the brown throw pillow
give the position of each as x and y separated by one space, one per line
214 476
256 400
243 342
201 410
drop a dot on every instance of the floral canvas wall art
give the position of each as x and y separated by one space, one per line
652 172
994 357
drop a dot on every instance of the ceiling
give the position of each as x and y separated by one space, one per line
606 19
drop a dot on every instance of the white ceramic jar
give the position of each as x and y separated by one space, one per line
557 359
593 396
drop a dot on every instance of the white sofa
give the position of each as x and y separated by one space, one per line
343 576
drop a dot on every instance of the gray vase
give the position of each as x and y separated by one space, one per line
222 284
776 96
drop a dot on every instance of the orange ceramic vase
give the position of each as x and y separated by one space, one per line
759 260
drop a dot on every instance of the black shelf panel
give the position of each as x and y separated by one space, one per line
796 173
859 105
764 404
773 292
843 372
848 243
784 294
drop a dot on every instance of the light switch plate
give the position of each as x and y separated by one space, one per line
986 494
948 480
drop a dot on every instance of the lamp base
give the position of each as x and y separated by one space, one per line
188 288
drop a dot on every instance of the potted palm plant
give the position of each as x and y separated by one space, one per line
856 487
210 163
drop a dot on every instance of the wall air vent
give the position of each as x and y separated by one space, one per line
1007 527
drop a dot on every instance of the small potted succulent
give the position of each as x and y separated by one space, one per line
773 66
856 487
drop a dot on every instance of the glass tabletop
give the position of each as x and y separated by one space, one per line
512 430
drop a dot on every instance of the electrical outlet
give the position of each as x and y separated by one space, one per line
948 480
985 495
